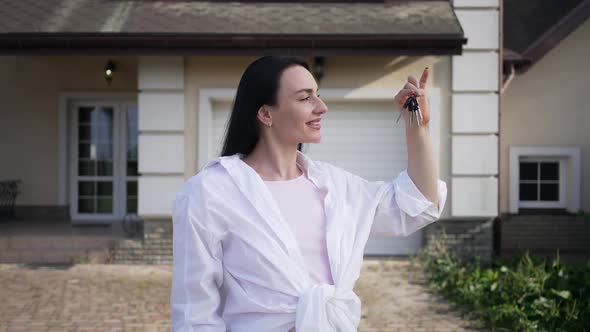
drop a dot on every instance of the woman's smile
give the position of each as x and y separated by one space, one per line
315 124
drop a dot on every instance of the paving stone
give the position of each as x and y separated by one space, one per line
117 297
395 297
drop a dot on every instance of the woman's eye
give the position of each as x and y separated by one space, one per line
307 98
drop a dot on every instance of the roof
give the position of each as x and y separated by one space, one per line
404 27
532 28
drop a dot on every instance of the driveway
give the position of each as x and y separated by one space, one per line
89 297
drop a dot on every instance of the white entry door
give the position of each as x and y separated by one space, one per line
103 161
361 138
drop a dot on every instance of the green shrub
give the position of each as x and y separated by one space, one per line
521 294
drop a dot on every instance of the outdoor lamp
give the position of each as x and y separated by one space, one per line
318 67
109 71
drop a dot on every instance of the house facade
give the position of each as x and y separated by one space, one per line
91 152
545 148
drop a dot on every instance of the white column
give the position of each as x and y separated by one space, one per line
161 134
475 111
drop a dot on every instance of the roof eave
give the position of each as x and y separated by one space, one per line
229 44
551 38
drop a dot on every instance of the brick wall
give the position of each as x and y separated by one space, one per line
464 238
544 234
154 248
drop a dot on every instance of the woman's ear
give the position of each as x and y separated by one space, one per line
264 115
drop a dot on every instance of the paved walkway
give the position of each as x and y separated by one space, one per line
99 298
395 298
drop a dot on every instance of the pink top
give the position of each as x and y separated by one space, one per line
301 205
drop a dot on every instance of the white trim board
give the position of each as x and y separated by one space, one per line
208 96
64 100
572 178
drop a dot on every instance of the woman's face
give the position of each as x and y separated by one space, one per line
298 103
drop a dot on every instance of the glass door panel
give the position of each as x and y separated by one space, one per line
131 158
95 159
104 160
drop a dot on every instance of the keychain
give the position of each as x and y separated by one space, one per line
414 109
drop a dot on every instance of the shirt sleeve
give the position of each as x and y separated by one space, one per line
403 209
197 273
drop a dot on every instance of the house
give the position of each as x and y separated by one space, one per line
108 106
545 143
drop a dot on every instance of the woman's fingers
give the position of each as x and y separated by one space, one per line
414 81
415 88
411 86
406 92
403 94
411 91
424 78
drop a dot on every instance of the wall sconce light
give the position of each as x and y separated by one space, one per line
318 67
109 71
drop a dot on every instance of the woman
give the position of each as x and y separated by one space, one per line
266 239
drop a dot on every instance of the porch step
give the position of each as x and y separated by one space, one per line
137 251
34 249
55 257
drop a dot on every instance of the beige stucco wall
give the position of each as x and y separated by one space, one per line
340 72
548 106
30 94
29 97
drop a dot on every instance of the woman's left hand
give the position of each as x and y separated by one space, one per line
415 88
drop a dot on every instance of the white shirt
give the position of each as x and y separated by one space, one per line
237 266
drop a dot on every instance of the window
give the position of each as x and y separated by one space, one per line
545 178
540 183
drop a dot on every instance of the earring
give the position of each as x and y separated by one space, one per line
270 125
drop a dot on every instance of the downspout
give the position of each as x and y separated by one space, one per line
506 83
497 223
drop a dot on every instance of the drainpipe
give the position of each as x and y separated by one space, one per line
508 80
497 223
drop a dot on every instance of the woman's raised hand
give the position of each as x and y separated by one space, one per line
417 89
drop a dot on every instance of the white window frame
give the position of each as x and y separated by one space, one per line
570 176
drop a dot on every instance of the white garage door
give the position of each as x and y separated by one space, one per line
359 137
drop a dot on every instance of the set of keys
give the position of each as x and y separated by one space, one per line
414 111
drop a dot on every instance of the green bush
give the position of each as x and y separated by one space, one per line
521 294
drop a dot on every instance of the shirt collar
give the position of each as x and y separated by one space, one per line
312 170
